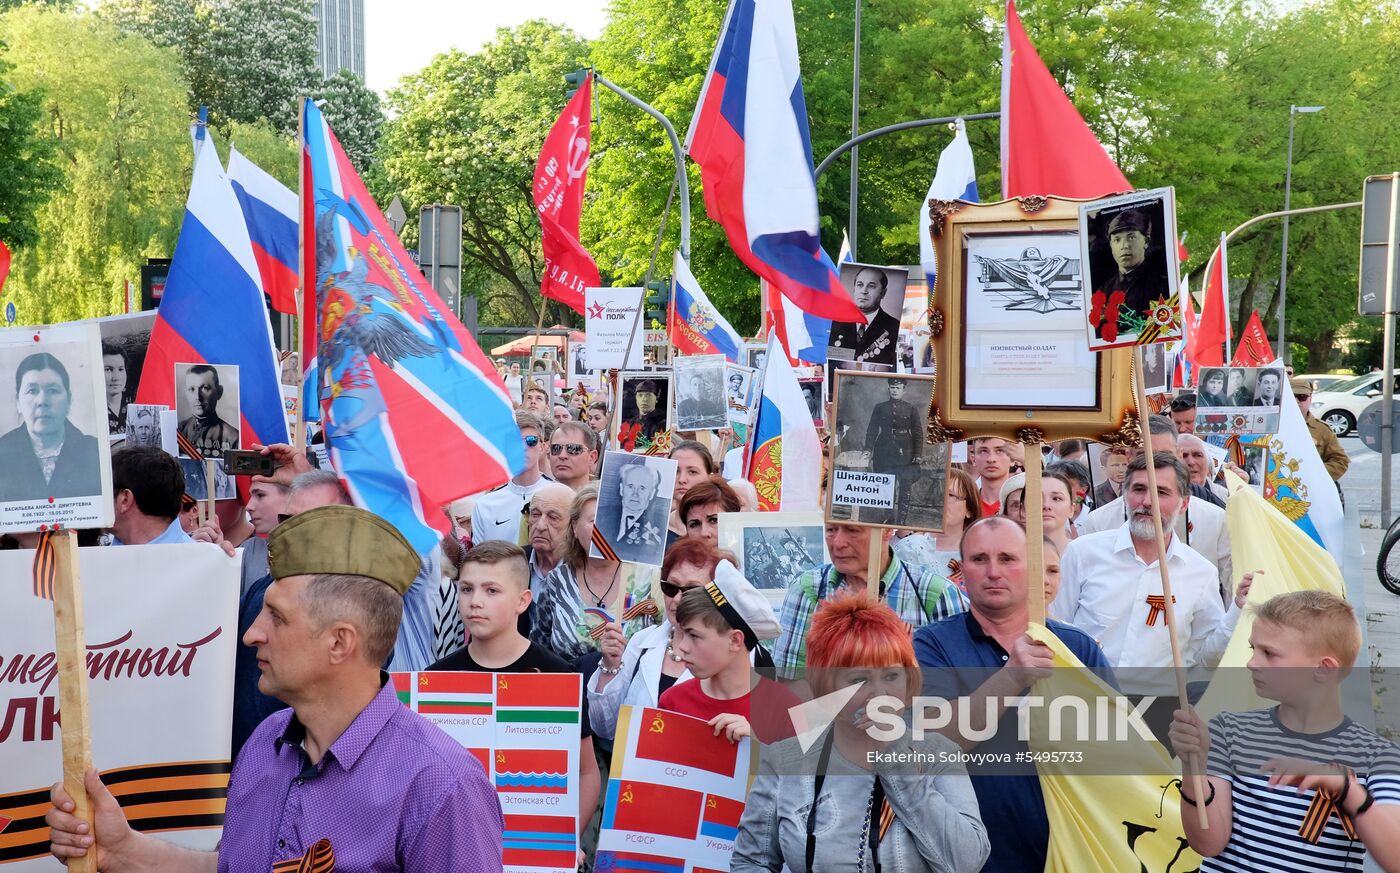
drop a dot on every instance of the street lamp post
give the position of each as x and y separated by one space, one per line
1293 111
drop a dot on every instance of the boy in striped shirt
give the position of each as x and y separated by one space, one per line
1299 786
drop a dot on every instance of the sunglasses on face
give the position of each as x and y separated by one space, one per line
557 449
532 441
670 589
1181 404
1301 397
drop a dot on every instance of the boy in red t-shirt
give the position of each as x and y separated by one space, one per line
717 627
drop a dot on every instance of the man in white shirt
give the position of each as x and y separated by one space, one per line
1200 525
499 514
1111 588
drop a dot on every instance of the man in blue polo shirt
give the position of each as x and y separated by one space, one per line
984 654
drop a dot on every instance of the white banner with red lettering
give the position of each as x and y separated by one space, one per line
161 628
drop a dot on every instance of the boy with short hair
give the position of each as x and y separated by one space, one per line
717 627
1299 786
493 589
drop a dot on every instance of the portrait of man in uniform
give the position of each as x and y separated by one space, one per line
879 294
634 503
207 401
1130 251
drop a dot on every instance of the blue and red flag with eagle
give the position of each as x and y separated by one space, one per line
694 325
413 413
212 311
750 138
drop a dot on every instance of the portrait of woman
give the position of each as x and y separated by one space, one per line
46 456
1212 391
114 375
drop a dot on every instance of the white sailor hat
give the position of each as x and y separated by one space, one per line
742 605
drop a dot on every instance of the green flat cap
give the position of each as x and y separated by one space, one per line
342 540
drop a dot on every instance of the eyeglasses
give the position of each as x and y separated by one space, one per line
1181 404
532 441
671 589
557 449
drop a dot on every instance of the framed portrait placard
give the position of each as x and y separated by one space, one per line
1128 248
773 548
884 471
55 458
1008 323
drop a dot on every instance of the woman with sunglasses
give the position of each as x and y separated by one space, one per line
638 670
580 587
940 551
849 814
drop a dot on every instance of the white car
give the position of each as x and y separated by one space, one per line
1323 381
1342 403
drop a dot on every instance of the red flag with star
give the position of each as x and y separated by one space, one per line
560 176
1253 349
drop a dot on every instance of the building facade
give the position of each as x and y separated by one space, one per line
340 36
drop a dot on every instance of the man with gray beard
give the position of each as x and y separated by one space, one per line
1111 588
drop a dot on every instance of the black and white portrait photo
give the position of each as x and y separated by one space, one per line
756 355
643 409
143 424
1129 247
1239 400
774 547
700 392
1153 370
197 484
206 405
544 362
812 393
54 451
883 469
124 342
740 394
835 364
879 294
634 504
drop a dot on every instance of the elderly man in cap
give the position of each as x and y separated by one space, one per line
347 778
1329 448
1140 280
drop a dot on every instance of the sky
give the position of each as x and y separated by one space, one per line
402 36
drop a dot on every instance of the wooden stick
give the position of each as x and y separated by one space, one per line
209 477
877 557
1190 764
1035 535
70 648
299 426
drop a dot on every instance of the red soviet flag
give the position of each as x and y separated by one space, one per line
1253 349
560 176
1213 327
1046 148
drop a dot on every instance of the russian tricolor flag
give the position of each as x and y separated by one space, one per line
212 311
270 210
696 326
785 455
955 179
749 136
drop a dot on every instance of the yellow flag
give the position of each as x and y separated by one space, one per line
1128 819
1262 538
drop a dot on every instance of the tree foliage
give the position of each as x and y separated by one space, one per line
467 130
247 60
355 114
113 107
27 170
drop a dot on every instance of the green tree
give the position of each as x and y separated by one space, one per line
113 105
247 60
272 150
355 114
27 171
467 131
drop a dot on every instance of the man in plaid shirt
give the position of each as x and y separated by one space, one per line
916 593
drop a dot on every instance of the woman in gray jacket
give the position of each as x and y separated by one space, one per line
853 802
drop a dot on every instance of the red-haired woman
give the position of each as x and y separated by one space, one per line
854 815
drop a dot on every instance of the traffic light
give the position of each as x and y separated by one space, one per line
658 298
576 79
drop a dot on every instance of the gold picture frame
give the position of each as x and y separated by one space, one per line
1004 270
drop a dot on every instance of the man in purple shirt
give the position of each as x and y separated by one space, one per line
347 773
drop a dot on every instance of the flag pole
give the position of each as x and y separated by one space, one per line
1190 763
1225 295
209 478
298 323
1035 534
70 650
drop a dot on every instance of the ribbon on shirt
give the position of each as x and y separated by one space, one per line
1324 804
1156 607
320 858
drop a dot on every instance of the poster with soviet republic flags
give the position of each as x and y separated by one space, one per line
524 729
674 795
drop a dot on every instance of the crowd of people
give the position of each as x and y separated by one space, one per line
332 597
